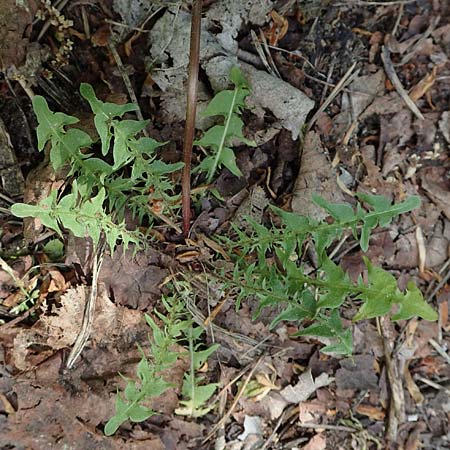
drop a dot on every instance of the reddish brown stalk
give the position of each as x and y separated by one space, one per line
189 130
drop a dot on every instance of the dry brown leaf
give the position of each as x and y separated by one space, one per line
57 282
311 411
412 387
316 176
15 17
370 411
444 125
39 183
423 86
134 280
443 313
60 329
102 36
318 442
436 189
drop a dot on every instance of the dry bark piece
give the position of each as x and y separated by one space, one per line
15 18
11 178
316 176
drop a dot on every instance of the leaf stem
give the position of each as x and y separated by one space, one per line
224 136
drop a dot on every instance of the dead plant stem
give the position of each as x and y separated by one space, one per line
189 130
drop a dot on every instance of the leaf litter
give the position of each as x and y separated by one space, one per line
382 148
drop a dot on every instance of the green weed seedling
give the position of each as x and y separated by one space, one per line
195 392
151 382
100 190
218 139
318 299
270 267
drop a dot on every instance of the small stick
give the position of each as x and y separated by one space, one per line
392 75
127 82
189 130
89 309
318 426
433 384
440 350
224 419
87 30
345 80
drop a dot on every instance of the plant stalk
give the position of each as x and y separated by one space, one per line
189 130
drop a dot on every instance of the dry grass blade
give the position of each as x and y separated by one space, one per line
224 419
345 80
392 75
127 82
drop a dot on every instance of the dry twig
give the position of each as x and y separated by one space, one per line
127 82
189 129
345 80
224 419
392 75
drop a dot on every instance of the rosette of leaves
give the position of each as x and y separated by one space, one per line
126 173
315 300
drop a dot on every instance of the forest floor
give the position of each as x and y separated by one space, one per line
357 100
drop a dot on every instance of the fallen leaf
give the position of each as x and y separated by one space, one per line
311 411
315 176
317 442
135 280
305 387
60 329
357 373
436 188
252 425
444 125
14 18
412 387
57 281
370 411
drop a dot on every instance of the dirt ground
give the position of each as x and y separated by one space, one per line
347 96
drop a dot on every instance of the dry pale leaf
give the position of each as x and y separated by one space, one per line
305 387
